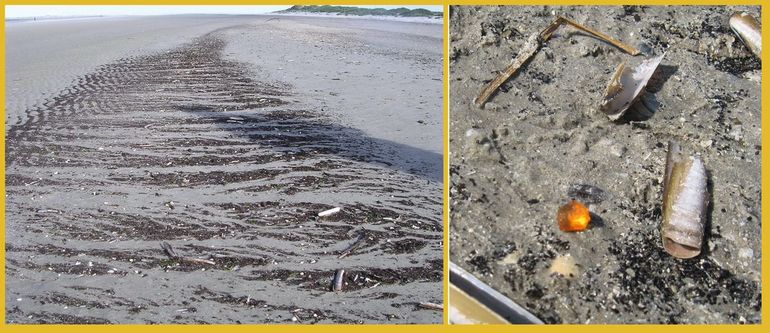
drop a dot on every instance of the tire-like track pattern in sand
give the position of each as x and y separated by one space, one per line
183 146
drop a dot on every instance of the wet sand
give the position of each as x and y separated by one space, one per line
225 144
512 164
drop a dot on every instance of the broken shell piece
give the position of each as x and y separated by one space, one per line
685 198
564 265
747 28
573 216
626 86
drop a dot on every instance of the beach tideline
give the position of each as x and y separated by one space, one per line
222 138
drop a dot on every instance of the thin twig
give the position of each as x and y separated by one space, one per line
531 47
625 47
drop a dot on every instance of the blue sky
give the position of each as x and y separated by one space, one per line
40 10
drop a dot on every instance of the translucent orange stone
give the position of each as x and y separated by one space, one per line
573 216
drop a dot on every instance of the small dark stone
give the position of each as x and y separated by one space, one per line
586 193
536 292
481 264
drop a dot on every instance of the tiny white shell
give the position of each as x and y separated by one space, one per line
626 86
329 212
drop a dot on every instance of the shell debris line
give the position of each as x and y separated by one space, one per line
573 216
191 172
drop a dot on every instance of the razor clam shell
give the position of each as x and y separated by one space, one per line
685 199
338 280
747 28
626 86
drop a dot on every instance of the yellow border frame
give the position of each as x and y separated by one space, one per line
445 167
763 327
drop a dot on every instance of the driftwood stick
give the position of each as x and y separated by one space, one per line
625 47
531 47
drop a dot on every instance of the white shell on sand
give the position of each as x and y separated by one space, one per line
748 29
626 86
332 211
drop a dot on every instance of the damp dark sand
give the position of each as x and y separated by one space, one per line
223 136
512 164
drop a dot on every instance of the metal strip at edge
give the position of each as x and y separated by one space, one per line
495 301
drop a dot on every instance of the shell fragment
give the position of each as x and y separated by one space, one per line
329 212
626 86
747 28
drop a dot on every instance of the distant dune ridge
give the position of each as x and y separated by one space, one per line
345 10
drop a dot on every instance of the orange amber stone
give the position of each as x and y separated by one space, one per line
573 216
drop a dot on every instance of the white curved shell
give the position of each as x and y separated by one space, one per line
626 86
748 29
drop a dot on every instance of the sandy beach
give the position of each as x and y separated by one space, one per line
515 162
224 136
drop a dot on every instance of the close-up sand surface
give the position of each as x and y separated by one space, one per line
224 136
542 136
